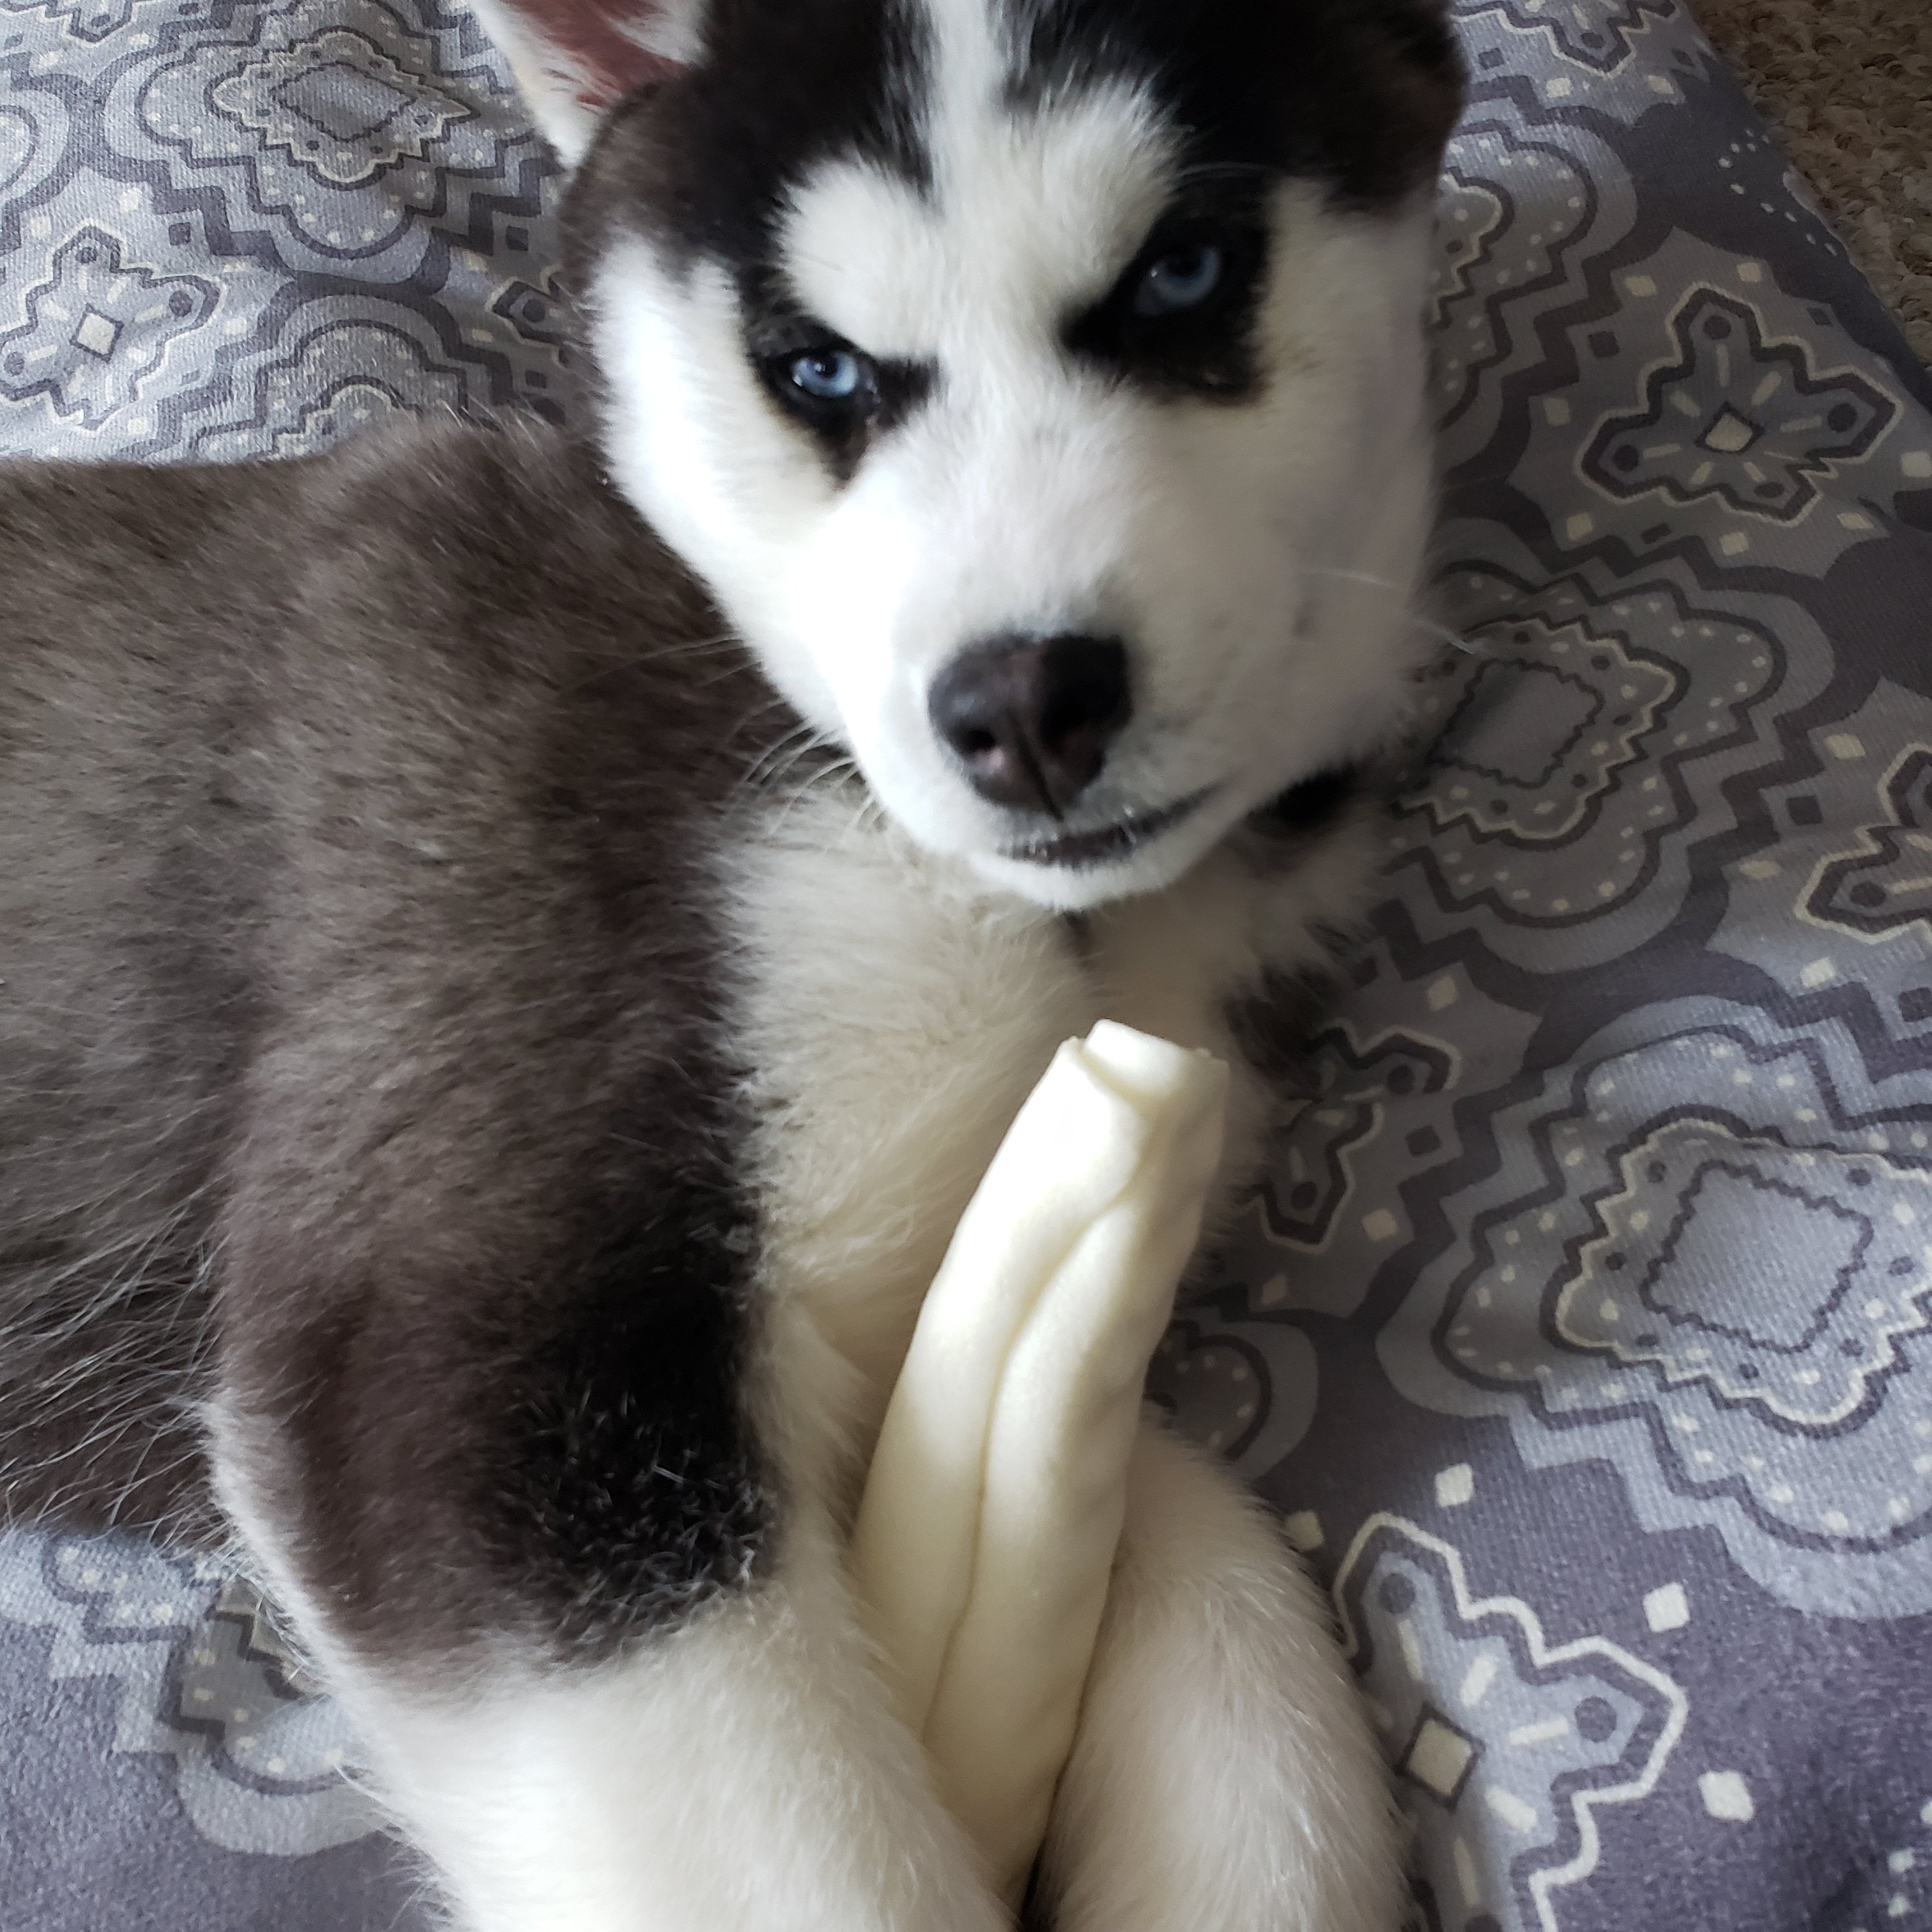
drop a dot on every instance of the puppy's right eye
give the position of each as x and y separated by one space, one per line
845 398
828 383
828 375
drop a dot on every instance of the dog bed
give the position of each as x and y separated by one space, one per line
1583 1330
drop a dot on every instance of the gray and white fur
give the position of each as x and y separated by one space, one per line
515 949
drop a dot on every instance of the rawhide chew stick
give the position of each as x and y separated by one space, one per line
991 1517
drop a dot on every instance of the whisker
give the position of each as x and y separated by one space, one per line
659 654
1455 639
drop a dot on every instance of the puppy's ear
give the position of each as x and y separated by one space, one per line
575 59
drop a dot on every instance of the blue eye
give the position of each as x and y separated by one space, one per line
827 375
1182 281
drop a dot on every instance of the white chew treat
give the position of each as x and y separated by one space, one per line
991 1517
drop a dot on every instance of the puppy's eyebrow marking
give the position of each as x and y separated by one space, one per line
1209 353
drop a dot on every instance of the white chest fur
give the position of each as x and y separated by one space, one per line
897 1012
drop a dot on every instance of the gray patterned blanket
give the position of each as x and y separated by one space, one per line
1583 1332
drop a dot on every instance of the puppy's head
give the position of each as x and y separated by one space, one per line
1037 383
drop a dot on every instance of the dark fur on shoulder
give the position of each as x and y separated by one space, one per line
367 1094
485 1084
353 908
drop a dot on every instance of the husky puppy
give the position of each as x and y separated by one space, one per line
515 949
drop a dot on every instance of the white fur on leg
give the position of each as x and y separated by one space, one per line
1224 1779
742 1774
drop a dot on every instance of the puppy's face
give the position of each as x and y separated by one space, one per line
1039 388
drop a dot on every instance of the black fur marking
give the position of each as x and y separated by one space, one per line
624 1461
704 162
776 331
362 1059
1358 94
1210 351
1311 806
1272 1023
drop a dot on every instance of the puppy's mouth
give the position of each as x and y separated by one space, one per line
1082 850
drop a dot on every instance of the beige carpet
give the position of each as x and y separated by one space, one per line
1846 85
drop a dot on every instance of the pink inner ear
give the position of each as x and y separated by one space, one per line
607 63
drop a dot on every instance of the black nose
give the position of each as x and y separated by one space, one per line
1031 717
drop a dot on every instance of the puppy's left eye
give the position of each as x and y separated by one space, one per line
1180 280
1180 319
